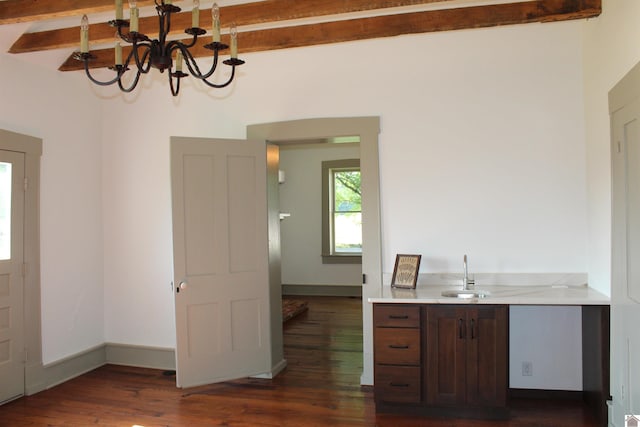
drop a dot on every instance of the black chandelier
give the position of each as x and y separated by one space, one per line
159 53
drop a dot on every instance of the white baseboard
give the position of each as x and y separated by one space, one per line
141 356
72 366
323 290
275 370
39 377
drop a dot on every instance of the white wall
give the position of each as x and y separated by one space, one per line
61 110
484 154
481 152
301 233
611 49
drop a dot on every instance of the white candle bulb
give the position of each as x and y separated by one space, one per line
84 34
118 50
215 17
133 16
234 41
195 14
119 14
179 61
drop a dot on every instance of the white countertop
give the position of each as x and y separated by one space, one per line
557 294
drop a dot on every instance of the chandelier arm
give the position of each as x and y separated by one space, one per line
195 71
174 45
214 66
192 65
119 72
227 83
176 90
140 63
133 84
188 46
121 35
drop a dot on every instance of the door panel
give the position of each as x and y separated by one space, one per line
446 355
632 184
220 259
625 289
199 215
244 250
487 366
11 280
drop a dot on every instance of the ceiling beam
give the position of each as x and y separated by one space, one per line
242 14
16 11
388 26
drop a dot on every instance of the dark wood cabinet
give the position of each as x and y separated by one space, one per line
397 353
430 356
466 355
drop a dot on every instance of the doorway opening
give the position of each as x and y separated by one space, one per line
367 129
311 226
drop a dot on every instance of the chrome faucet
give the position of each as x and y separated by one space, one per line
467 283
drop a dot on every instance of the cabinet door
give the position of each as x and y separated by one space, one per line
446 355
487 355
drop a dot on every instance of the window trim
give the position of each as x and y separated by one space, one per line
327 256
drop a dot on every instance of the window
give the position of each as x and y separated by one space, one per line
342 212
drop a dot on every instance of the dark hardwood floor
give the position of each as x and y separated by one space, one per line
320 387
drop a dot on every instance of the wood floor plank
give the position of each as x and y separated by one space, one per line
320 387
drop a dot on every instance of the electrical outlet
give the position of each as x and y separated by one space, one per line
527 369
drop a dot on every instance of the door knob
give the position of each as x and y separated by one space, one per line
181 287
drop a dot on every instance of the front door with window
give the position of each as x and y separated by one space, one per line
12 175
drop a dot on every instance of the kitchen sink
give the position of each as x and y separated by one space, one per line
466 294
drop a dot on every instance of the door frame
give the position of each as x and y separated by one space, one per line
32 149
368 129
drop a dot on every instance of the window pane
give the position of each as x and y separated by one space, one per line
347 191
348 232
5 211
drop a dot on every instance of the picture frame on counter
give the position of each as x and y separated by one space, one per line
405 271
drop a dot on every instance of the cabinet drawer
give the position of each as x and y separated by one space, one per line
396 315
397 346
397 384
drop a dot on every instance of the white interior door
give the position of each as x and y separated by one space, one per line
625 295
220 245
11 279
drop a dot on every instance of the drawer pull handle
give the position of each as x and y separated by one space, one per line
400 317
400 347
473 327
399 384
